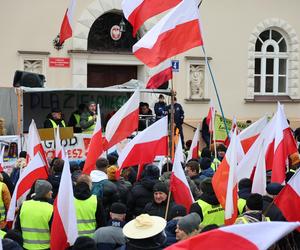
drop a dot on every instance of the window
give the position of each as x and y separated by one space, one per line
271 64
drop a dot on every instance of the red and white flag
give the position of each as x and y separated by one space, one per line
225 179
178 183
160 74
35 170
34 144
64 226
123 123
252 236
146 145
284 145
2 158
139 11
95 147
194 149
288 200
250 134
171 35
58 147
210 118
259 183
66 29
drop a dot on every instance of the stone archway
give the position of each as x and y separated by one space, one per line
80 55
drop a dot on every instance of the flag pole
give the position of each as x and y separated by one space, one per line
216 90
214 133
213 81
171 148
168 202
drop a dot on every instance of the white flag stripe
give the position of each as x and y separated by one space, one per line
131 105
177 167
262 234
154 132
128 6
66 205
184 12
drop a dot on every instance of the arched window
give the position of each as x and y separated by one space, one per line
271 64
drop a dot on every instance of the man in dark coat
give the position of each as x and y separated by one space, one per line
142 191
158 206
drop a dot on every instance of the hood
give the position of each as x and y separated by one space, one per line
209 198
209 172
148 183
98 175
171 226
82 191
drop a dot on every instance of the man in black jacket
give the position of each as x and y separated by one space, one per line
159 204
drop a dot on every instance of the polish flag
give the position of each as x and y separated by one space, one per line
34 144
66 29
64 226
178 183
1 159
194 150
139 11
225 179
284 145
146 145
95 147
251 236
262 143
210 117
288 200
35 170
123 123
233 126
171 35
259 183
250 134
159 75
58 147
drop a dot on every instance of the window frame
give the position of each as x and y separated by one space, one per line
263 55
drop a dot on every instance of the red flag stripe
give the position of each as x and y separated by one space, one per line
126 126
171 43
138 154
160 78
61 242
181 193
148 9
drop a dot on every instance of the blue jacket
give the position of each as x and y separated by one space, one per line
170 232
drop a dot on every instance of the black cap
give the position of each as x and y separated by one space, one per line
118 208
84 242
255 202
273 188
55 110
160 187
177 210
161 96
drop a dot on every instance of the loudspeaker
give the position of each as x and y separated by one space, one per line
28 79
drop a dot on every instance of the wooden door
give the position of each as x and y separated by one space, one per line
100 76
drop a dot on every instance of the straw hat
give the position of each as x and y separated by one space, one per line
144 226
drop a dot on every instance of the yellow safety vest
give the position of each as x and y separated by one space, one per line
90 129
54 125
2 234
2 207
214 165
245 221
77 118
241 205
86 216
34 218
212 214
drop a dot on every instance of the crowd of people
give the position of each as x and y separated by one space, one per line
126 213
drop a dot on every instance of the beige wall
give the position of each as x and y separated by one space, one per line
31 25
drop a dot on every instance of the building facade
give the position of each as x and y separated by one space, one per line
252 47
